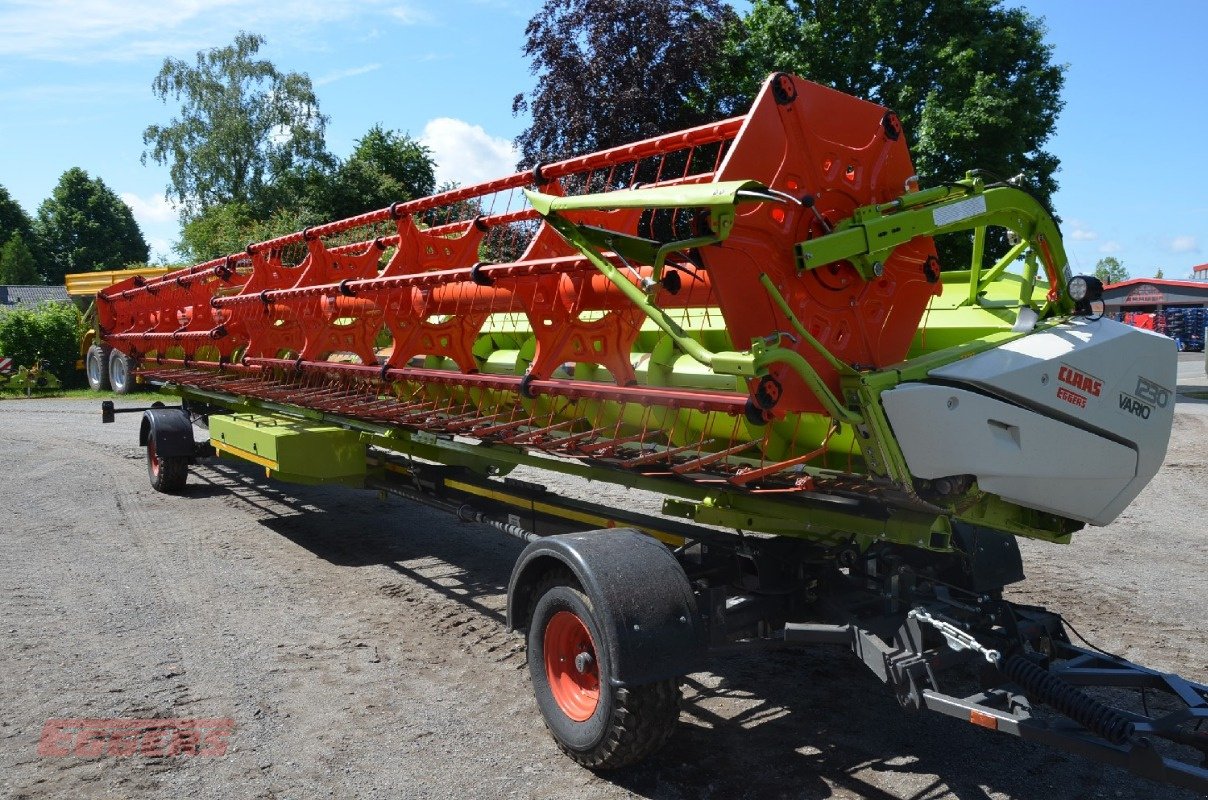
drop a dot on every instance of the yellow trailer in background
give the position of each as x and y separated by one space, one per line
85 285
105 369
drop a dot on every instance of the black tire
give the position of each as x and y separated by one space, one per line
121 372
626 725
168 474
96 366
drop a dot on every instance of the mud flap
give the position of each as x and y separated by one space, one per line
642 597
172 429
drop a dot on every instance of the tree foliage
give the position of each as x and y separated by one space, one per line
219 230
17 265
612 73
974 83
247 159
1110 269
229 228
13 218
242 125
83 226
385 167
51 332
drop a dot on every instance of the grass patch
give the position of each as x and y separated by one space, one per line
84 394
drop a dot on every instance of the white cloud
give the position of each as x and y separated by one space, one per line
116 30
1080 232
1184 244
156 217
154 210
466 153
351 72
161 250
1110 248
409 15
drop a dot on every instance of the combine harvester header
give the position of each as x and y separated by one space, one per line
750 318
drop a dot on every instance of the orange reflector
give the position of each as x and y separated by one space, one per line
792 185
984 720
778 214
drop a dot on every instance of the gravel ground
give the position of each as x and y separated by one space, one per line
358 644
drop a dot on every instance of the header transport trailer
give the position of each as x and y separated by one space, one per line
104 368
750 319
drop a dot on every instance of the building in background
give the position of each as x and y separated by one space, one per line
1175 308
15 297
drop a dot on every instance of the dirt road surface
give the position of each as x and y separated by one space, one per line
358 645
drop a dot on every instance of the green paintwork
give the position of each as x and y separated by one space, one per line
725 194
30 380
302 451
719 198
783 305
868 237
582 238
976 311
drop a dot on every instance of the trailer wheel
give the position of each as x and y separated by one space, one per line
96 365
168 473
121 379
599 725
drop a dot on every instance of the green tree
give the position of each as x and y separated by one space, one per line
242 125
973 82
17 265
385 167
612 73
1159 274
13 218
219 230
228 228
84 226
51 332
1110 269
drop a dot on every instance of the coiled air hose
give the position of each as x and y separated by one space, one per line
1088 712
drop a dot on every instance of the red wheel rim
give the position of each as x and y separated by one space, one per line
152 457
571 666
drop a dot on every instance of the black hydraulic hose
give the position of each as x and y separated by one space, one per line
1088 712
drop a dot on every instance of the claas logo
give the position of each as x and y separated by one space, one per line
1080 380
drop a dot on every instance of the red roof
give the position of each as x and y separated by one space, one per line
1200 268
1158 282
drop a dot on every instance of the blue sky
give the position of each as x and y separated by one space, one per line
75 90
